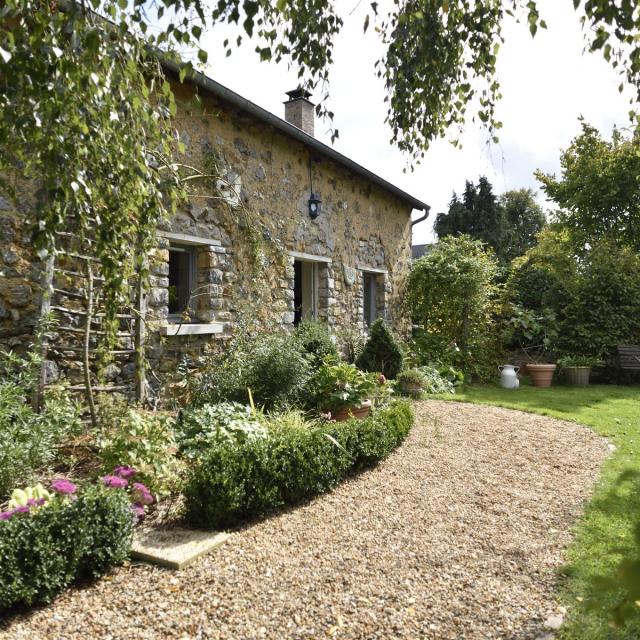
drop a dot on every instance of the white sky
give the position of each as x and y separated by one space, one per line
547 83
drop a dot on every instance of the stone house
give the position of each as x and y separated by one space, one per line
287 229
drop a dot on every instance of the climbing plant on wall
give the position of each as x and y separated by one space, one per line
86 112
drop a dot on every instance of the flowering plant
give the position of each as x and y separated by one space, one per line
63 487
140 494
31 498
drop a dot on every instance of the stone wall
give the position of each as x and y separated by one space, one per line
19 272
253 214
266 177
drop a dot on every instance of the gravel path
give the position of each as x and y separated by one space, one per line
457 535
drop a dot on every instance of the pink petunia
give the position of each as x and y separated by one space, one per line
63 486
115 482
6 515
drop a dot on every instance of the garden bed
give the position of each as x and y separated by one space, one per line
458 534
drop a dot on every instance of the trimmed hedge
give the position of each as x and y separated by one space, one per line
43 552
236 482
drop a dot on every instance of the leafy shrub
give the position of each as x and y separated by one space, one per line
429 348
605 308
429 380
410 382
452 294
199 427
436 382
276 371
142 440
290 419
593 292
273 366
28 439
234 482
315 341
535 332
376 437
337 386
351 342
566 362
382 351
46 550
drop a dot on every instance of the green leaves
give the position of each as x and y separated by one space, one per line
598 191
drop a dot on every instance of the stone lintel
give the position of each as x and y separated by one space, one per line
309 257
184 238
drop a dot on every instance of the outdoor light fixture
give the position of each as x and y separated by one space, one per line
314 200
314 206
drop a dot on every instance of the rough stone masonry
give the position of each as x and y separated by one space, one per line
245 231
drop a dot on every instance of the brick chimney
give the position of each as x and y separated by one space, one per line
298 110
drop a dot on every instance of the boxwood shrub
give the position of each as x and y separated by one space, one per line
235 482
45 551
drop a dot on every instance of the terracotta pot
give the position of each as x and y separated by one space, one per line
359 412
541 374
577 376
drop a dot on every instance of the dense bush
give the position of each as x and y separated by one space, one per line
46 550
200 427
273 366
315 341
588 299
236 482
140 439
382 351
28 439
452 295
604 310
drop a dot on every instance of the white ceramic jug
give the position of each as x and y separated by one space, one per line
509 376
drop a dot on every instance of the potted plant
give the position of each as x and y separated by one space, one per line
343 391
536 333
577 369
410 382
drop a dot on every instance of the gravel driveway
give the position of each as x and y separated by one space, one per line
457 535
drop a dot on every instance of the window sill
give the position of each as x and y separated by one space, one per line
189 329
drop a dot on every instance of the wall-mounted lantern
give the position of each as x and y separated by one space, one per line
314 200
314 206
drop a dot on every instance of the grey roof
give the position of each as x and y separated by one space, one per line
419 250
220 91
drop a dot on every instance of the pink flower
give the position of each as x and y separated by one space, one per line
381 379
6 515
115 482
122 471
137 510
63 486
141 494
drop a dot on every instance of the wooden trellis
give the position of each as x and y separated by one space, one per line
73 296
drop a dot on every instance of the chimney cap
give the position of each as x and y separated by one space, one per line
298 94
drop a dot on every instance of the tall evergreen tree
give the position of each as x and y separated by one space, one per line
508 224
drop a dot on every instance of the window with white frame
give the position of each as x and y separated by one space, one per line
305 290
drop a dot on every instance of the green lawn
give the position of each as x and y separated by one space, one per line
606 530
